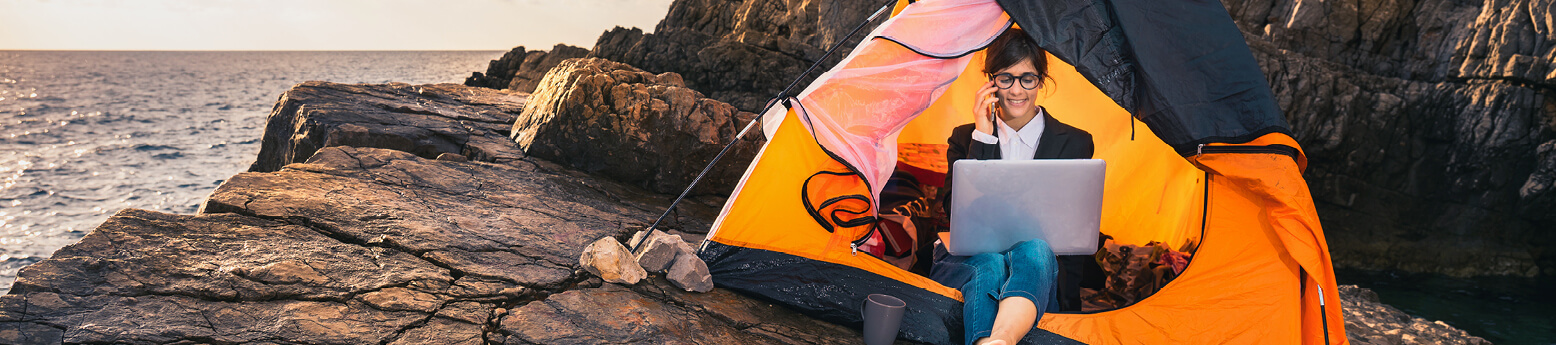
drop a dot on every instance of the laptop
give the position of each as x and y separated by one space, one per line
999 203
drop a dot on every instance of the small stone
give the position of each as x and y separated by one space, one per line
452 157
658 251
689 271
609 260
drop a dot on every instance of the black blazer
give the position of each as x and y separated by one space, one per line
1059 141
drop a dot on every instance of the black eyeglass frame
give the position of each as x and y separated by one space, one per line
1028 80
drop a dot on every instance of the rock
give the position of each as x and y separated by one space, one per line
520 70
611 261
361 245
452 157
426 120
1512 40
620 122
745 52
654 313
402 299
194 274
1422 122
656 252
689 271
1368 321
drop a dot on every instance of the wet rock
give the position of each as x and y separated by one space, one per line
1368 321
1422 122
609 260
620 122
689 271
520 70
426 120
742 53
656 252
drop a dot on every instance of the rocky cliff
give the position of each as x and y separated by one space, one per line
742 52
521 69
1428 126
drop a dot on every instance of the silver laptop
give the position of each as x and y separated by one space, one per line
998 203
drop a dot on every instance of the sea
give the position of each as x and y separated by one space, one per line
85 134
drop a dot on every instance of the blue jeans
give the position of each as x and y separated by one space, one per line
1026 270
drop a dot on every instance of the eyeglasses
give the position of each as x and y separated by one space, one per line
1007 80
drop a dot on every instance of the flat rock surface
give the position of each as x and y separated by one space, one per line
426 120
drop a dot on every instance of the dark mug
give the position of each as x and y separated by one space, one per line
882 317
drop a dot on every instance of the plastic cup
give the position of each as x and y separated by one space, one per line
882 318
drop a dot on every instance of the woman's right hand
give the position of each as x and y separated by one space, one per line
983 113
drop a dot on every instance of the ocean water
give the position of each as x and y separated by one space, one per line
86 134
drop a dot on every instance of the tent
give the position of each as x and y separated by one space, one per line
1214 164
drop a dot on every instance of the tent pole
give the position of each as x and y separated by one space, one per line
781 96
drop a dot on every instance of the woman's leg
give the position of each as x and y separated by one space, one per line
980 295
1027 292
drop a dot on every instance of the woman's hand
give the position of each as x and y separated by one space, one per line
983 113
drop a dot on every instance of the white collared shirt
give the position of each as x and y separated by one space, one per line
1015 144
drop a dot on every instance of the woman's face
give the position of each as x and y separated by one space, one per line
1017 101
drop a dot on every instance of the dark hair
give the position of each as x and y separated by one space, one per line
1010 48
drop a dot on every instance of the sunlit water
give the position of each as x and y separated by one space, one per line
86 134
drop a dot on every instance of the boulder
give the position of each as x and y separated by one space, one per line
620 122
520 70
426 120
657 251
689 271
1422 122
609 260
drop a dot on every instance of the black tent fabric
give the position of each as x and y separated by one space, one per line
1180 66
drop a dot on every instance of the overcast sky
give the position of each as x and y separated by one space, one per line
316 24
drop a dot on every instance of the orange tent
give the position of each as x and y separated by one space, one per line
1214 165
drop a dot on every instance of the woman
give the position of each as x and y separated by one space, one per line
1005 293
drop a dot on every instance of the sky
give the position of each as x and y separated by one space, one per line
316 24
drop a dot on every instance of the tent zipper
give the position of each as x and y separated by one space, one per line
854 246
